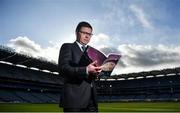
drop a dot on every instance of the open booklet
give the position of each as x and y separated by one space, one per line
106 62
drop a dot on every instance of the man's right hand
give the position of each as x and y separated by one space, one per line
93 68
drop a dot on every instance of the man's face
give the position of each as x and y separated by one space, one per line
84 35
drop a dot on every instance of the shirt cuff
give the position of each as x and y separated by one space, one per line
87 71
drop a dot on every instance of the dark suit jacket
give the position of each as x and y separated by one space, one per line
77 89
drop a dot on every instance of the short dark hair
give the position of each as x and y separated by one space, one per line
83 24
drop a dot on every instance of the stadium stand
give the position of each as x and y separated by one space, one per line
23 80
163 85
21 84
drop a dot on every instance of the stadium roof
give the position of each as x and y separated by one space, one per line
9 55
153 73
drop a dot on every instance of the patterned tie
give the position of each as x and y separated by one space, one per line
83 48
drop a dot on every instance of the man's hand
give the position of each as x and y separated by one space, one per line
93 68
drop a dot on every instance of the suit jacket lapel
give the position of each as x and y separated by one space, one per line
76 53
77 49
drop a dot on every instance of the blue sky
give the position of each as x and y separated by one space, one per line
145 32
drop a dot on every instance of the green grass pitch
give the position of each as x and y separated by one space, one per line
103 107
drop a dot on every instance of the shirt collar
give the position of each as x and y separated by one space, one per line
80 45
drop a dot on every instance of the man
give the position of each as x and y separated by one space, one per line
79 72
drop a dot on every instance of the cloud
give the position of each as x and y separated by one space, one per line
135 58
100 40
141 16
116 14
138 58
25 43
26 46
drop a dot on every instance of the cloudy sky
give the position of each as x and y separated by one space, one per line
145 32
